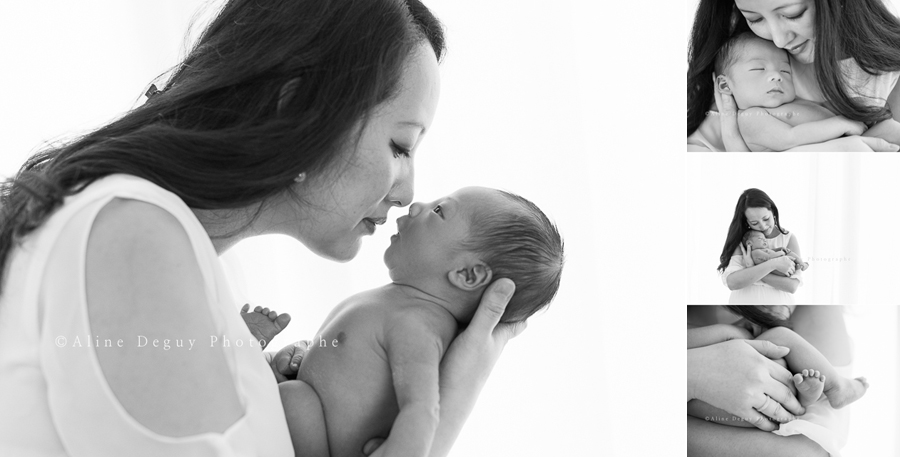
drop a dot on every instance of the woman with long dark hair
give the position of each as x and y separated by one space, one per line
756 284
298 117
844 55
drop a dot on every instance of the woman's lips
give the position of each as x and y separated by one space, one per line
799 48
371 222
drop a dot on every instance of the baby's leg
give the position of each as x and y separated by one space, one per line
264 324
840 391
305 419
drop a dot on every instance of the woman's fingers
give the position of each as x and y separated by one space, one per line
879 144
493 304
782 396
760 421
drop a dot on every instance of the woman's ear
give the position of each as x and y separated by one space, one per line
722 85
471 277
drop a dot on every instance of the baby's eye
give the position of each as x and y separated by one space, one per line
437 209
785 71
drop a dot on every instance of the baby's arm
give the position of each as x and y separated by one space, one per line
414 349
764 131
717 333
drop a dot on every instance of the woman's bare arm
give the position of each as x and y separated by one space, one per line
706 438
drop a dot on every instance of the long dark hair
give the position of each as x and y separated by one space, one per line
862 29
750 198
759 316
271 89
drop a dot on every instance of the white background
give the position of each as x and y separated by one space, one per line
559 101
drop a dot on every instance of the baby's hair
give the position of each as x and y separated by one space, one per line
751 233
758 316
524 246
729 52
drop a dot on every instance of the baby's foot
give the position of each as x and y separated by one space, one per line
810 384
804 266
264 324
846 391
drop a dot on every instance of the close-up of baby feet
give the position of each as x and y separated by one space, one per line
810 385
263 323
846 391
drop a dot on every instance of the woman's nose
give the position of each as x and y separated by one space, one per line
403 191
781 35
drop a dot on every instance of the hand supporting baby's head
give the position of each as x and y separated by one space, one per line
755 71
457 245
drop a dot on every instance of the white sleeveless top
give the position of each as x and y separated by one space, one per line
760 293
54 399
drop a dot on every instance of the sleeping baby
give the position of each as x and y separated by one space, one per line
377 372
758 247
770 117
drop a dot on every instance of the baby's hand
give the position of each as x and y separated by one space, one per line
853 127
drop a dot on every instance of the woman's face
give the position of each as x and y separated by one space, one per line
790 24
760 219
338 207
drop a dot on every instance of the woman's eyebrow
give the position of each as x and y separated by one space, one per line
776 9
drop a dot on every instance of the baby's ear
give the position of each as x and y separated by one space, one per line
471 277
722 85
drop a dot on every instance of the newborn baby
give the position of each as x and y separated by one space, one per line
758 247
770 118
373 370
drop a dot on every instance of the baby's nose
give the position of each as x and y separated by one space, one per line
775 77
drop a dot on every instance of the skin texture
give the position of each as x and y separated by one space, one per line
374 372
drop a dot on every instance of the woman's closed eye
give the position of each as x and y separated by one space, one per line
790 18
399 151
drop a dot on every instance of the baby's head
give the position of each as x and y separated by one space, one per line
755 72
754 239
456 245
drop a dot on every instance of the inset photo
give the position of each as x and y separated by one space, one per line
793 75
802 229
792 380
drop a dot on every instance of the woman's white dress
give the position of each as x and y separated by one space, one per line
54 399
760 293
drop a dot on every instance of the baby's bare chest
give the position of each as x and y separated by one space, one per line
800 112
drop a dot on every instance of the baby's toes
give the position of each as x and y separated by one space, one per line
273 314
805 373
798 379
265 311
257 309
862 379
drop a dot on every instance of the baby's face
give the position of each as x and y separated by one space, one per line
430 237
757 241
761 76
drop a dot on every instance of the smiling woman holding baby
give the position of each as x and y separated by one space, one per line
293 117
843 56
760 261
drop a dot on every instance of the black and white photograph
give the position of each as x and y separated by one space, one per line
792 380
305 227
793 75
795 229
